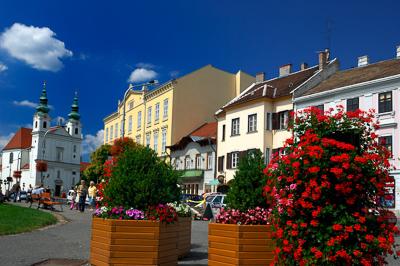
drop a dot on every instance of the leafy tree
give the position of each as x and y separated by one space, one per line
140 179
95 170
246 191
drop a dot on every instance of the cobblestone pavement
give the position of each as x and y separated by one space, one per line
71 240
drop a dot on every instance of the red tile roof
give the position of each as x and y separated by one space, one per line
207 130
358 75
21 140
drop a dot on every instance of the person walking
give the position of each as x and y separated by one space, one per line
82 191
92 195
73 199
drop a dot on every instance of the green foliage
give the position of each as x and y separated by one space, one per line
95 170
246 191
140 179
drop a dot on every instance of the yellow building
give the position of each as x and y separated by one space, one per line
258 117
161 117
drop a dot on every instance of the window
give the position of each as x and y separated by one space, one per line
35 124
111 132
74 148
209 160
187 162
138 139
163 139
386 142
221 163
149 115
352 104
252 123
198 161
223 133
155 144
267 156
60 153
235 160
11 158
235 127
76 131
106 134
268 122
283 119
130 124
58 174
165 110
116 130
139 120
157 112
44 124
130 105
385 102
148 140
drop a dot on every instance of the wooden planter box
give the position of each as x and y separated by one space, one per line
231 244
128 242
184 236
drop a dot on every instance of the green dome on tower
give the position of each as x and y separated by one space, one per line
74 109
42 108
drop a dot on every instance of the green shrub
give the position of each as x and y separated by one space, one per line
140 179
246 191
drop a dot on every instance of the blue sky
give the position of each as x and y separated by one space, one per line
98 45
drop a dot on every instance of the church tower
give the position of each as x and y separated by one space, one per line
41 119
74 125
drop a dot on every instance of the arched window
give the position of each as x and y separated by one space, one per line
76 131
44 124
11 157
35 124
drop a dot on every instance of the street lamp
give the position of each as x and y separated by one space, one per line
144 85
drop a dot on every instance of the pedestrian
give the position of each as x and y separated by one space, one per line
92 190
73 199
82 191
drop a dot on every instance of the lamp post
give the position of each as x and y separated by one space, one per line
43 164
144 85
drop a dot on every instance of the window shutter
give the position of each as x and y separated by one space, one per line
268 122
229 161
275 121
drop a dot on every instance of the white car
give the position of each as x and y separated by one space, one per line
216 201
69 197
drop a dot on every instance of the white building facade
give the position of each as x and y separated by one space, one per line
369 86
58 147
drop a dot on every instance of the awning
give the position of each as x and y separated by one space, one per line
192 176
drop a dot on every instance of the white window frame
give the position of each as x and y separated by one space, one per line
209 160
157 112
187 163
198 161
235 160
111 132
148 140
107 134
165 109
149 115
268 121
235 130
283 119
139 120
163 140
138 139
155 141
130 125
116 130
252 123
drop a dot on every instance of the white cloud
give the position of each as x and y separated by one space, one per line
145 65
92 142
36 46
142 74
3 67
25 103
4 140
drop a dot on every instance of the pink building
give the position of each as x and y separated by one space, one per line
367 86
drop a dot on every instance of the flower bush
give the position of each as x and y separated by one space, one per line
119 213
162 213
325 191
182 210
256 216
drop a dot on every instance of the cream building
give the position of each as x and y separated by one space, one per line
258 117
161 117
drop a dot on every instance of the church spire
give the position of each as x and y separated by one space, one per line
42 108
74 109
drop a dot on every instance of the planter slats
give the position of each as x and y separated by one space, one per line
116 242
231 244
184 236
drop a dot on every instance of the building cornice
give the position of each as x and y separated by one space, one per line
160 90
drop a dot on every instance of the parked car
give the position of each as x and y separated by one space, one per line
191 199
217 200
22 196
69 197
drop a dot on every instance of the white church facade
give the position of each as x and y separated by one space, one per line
46 154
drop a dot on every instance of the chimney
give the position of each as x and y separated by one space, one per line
285 70
303 66
398 52
323 58
260 77
363 60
